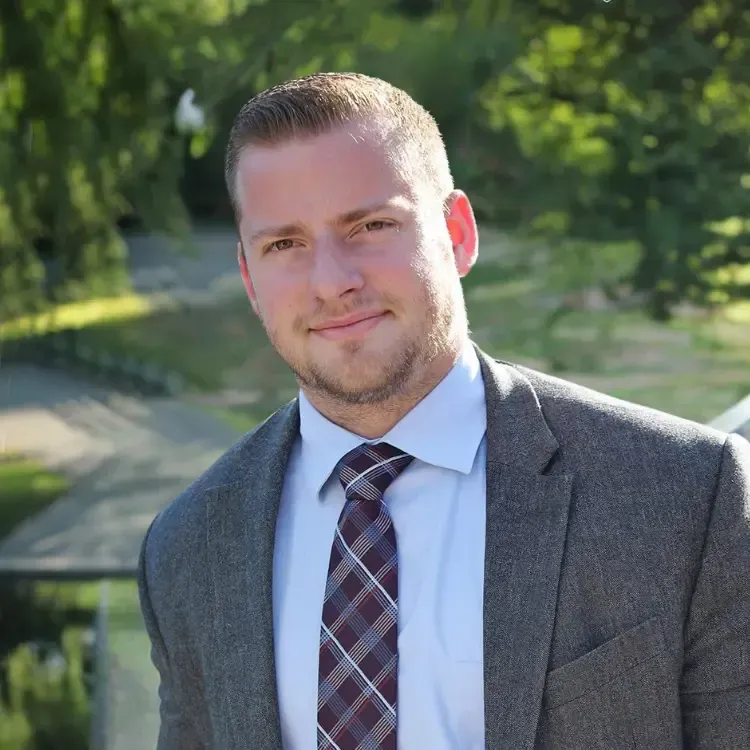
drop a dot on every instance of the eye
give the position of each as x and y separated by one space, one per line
280 245
378 225
374 226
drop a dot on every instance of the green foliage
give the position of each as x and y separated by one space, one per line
26 487
633 121
614 124
87 98
269 43
47 706
443 61
85 116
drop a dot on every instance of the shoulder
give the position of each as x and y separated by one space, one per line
178 531
593 427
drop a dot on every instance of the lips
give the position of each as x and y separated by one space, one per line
348 321
350 327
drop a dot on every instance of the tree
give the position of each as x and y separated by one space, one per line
628 122
88 90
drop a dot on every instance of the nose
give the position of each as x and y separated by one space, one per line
335 271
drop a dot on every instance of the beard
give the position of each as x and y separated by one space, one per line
375 378
362 389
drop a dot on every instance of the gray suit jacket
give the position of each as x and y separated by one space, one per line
617 580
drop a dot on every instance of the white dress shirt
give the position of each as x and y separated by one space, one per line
438 511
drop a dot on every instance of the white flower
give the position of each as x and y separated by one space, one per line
189 117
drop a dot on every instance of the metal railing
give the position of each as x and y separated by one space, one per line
99 707
125 711
736 419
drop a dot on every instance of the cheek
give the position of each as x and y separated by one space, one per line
279 296
399 268
276 291
424 268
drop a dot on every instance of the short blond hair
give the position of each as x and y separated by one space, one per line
319 103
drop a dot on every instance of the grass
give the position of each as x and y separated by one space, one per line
78 315
694 367
241 420
40 613
214 348
26 488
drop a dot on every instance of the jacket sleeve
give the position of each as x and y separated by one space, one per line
176 731
715 688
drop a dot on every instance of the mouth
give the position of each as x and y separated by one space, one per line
352 327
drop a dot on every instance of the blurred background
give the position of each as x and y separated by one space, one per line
605 146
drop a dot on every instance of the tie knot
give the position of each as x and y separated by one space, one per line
367 471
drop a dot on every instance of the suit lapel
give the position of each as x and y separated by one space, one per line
241 526
527 515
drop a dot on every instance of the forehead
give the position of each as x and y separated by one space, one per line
317 177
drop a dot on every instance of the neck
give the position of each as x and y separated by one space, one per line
373 421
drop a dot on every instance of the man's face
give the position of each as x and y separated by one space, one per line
351 264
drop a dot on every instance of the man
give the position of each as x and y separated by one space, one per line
428 548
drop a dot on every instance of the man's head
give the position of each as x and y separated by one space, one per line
346 209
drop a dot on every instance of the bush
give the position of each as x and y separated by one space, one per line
47 706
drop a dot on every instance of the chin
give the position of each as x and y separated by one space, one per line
353 350
357 366
353 362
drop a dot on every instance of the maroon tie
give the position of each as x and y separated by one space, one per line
358 639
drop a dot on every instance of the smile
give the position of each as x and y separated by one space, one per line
343 330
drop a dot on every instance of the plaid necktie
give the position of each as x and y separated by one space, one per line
358 637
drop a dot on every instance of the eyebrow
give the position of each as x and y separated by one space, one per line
349 217
275 232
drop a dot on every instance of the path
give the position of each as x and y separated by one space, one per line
157 262
128 457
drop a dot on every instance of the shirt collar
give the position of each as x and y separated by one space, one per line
444 429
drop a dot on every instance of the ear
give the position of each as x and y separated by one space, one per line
246 280
463 231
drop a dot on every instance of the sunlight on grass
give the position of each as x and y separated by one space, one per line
68 594
695 367
26 488
79 315
738 312
242 421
